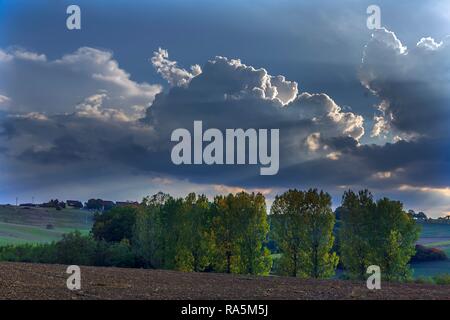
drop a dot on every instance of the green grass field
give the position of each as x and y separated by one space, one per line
31 225
436 236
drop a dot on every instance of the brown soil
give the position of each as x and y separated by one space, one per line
40 281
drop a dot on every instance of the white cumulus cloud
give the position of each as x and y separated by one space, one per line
170 71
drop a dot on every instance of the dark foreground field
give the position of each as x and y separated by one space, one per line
35 281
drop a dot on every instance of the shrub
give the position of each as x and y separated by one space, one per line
75 248
442 279
119 255
428 254
424 280
37 253
115 224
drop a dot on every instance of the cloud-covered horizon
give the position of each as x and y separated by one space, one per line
81 120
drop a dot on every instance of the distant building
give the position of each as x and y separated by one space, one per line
27 205
418 216
108 204
74 203
126 203
99 204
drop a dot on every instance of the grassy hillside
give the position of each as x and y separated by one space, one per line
436 236
38 225
433 236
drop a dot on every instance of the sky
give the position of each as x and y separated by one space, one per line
88 113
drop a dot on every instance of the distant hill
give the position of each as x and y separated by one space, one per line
37 225
435 235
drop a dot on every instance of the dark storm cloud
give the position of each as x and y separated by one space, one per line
65 150
316 135
226 94
414 83
321 145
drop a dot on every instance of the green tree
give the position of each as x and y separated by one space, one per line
240 230
196 243
147 240
255 258
394 236
286 231
115 224
174 233
226 231
303 229
119 254
75 248
355 247
173 221
377 233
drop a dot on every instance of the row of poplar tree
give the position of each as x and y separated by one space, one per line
231 234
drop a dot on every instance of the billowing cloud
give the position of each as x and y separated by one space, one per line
97 131
313 141
414 83
414 86
170 71
92 107
230 94
36 84
381 126
228 87
382 122
4 102
111 126
5 57
429 44
249 81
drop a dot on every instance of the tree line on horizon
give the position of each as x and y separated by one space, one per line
234 234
